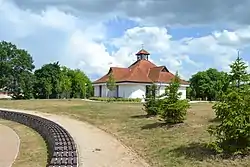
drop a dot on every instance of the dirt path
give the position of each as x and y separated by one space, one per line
96 148
9 146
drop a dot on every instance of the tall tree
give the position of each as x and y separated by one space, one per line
16 67
111 84
81 85
52 74
172 108
232 134
238 73
66 82
209 84
47 87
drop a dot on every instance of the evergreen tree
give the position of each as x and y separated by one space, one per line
238 73
172 108
233 110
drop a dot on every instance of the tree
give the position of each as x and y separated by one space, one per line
16 67
111 84
172 109
151 106
66 83
233 110
238 73
51 73
47 87
81 84
209 84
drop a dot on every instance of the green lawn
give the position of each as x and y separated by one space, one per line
181 145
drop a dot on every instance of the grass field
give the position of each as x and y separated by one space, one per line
32 151
181 145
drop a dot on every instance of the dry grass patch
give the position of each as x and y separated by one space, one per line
161 145
32 151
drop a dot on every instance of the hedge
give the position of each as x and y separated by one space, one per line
119 99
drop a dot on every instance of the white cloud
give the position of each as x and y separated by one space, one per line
78 41
152 12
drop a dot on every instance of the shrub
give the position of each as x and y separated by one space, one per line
115 99
151 105
233 132
171 108
173 112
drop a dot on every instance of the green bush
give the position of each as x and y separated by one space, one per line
152 106
113 99
233 132
173 112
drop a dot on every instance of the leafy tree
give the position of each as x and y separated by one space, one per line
81 85
172 109
51 73
16 67
233 133
66 83
209 84
47 87
111 84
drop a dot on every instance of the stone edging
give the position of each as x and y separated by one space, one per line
60 145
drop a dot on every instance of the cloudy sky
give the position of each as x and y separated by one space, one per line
93 35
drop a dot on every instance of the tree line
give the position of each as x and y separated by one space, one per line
208 85
19 77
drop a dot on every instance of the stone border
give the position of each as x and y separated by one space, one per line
60 145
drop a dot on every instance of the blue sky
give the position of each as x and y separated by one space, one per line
94 35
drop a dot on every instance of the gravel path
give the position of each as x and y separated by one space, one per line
9 146
96 148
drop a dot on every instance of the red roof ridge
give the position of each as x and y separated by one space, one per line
142 51
141 71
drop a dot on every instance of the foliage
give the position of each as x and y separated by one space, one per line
209 84
233 132
172 109
120 99
151 105
50 81
16 67
111 85
47 81
238 74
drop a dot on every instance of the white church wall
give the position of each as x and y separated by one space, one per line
96 91
182 89
132 90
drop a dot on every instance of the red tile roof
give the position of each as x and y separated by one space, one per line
142 71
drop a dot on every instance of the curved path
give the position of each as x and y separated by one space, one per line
96 148
9 146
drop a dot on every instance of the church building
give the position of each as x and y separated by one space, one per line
134 81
